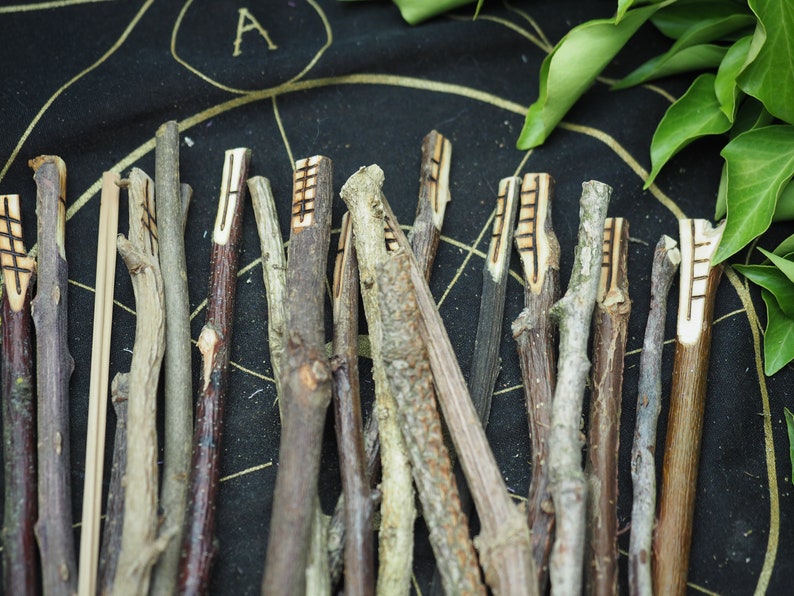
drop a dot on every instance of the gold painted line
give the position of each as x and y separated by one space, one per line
82 286
523 162
245 472
702 590
729 315
125 34
283 132
769 441
508 389
532 22
546 47
253 373
14 8
476 252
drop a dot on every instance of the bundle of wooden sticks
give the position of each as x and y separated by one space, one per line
160 539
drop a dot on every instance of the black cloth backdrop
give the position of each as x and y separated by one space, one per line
92 81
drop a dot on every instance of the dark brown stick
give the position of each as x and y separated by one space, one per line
535 334
20 559
114 511
54 366
408 372
666 258
611 320
305 380
173 200
214 342
697 291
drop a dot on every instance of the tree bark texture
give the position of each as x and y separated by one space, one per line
54 366
214 343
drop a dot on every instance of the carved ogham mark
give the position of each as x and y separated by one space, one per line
17 266
434 180
342 252
304 192
235 164
531 239
389 236
149 216
504 220
699 241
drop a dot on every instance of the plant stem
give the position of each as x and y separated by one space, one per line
214 342
697 291
666 258
54 366
573 313
20 559
601 468
305 380
535 334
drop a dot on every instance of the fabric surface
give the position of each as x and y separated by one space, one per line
91 81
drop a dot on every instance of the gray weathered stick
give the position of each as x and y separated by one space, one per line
611 320
666 258
54 367
173 200
573 313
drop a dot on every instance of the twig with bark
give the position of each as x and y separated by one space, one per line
666 258
697 291
20 559
214 343
573 313
140 547
535 334
98 392
173 201
305 380
408 371
54 366
611 319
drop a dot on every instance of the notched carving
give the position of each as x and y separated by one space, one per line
610 285
304 191
532 239
342 252
17 267
234 167
434 179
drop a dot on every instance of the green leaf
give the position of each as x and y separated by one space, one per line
760 163
573 65
790 428
695 114
784 210
416 11
751 114
768 76
674 21
778 337
721 207
624 5
785 247
773 280
725 86
699 57
785 266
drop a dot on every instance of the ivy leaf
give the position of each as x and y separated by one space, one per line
721 207
790 428
785 266
784 210
416 11
768 75
751 114
698 57
695 114
624 5
778 337
674 21
774 281
573 65
725 87
760 163
785 247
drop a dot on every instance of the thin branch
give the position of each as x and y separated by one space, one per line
601 469
214 342
98 392
535 334
411 380
666 258
20 559
54 366
573 313
697 291
305 380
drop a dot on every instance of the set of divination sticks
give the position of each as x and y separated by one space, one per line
414 367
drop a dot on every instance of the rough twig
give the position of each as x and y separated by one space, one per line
214 343
611 320
535 334
20 559
666 258
305 380
54 366
697 291
573 313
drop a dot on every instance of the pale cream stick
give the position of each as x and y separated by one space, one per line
98 390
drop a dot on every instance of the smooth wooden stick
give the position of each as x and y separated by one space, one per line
305 380
611 321
98 390
54 366
697 291
20 559
214 343
535 334
573 312
666 258
173 200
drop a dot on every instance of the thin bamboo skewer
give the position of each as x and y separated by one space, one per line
98 389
